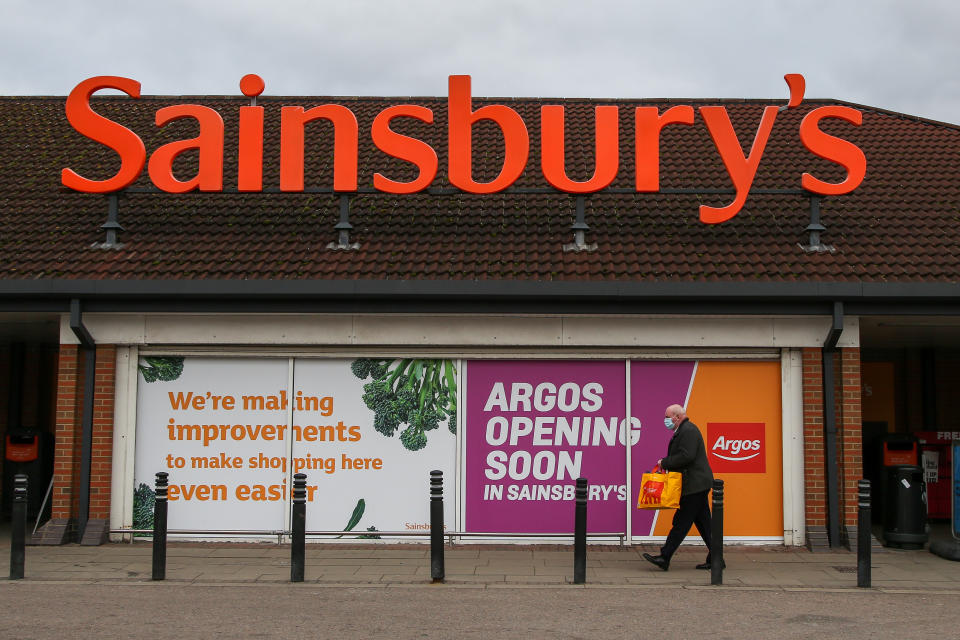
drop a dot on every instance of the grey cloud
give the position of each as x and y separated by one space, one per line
888 54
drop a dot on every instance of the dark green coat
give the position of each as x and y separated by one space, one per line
687 454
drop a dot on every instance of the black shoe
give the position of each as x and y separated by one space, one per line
708 566
660 561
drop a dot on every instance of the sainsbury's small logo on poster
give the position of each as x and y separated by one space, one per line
736 447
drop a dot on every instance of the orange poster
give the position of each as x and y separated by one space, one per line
737 407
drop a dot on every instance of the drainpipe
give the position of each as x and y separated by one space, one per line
830 426
89 366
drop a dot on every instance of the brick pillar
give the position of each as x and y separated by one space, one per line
813 448
850 438
101 461
69 445
66 460
67 450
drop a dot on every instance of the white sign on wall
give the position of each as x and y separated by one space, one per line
208 428
231 432
368 473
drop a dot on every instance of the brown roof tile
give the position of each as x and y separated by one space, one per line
900 225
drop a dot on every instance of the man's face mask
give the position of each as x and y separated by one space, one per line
668 423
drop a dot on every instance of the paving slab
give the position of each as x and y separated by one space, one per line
503 569
476 565
488 578
377 569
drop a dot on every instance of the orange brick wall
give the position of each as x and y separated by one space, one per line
101 458
66 456
849 440
66 472
850 434
813 451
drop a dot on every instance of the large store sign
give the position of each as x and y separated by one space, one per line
741 164
231 432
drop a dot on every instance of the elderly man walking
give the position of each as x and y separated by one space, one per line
687 454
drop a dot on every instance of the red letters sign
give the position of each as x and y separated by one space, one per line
741 166
736 447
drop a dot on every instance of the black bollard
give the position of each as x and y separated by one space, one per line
716 535
298 542
160 527
437 570
580 533
863 534
18 532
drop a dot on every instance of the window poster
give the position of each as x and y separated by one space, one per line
231 432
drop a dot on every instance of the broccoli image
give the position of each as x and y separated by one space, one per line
161 368
413 439
370 536
143 501
420 394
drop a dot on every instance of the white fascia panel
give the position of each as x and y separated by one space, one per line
113 328
461 330
250 329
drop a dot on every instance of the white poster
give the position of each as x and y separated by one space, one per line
231 432
218 427
374 431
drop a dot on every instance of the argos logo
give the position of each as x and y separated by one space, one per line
736 447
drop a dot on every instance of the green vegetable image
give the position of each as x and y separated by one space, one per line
355 519
370 536
143 501
356 515
418 393
161 368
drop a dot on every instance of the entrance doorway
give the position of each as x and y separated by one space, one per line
29 349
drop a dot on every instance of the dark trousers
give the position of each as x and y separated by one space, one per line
694 510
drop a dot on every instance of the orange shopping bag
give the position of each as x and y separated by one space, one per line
660 489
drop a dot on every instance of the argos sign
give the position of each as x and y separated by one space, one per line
741 165
736 447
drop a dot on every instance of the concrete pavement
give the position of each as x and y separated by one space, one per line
32 610
484 566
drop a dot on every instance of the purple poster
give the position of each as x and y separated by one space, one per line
653 387
533 428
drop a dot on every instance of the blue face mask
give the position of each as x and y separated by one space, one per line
668 423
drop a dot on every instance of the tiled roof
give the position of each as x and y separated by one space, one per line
901 225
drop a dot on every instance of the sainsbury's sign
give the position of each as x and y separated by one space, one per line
649 122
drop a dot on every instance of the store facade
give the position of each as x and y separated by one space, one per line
515 336
510 425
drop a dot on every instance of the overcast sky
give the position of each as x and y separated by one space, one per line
898 55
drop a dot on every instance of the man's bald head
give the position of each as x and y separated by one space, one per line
676 414
675 411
